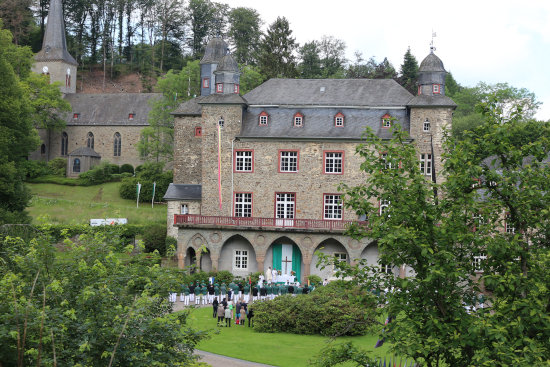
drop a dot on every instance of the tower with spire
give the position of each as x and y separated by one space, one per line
214 52
54 58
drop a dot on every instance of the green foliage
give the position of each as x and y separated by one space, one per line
146 175
370 69
90 308
154 239
330 311
224 276
245 33
127 168
314 279
276 59
409 72
250 78
35 169
58 166
99 174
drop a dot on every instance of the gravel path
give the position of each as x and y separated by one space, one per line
216 360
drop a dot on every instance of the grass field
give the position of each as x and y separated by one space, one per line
78 204
277 349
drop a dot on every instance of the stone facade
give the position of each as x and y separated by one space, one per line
188 149
59 71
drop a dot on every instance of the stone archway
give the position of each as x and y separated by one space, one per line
330 246
285 255
238 256
190 259
205 261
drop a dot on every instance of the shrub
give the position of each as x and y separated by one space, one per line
224 276
127 168
35 169
314 279
154 238
146 175
328 311
113 168
171 245
99 174
58 180
58 166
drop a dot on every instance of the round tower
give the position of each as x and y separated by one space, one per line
431 76
215 50
227 75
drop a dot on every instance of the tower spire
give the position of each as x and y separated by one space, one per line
432 46
54 45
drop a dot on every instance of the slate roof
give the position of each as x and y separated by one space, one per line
434 101
336 92
431 63
110 109
183 192
214 51
231 98
189 108
54 45
85 152
228 63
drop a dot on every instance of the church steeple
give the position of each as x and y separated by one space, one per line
54 59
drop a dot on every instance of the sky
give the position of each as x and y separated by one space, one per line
493 41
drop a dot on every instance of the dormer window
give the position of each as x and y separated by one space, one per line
236 88
219 88
76 116
386 121
426 126
436 89
298 120
263 119
131 116
339 120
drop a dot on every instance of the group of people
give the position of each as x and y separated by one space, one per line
225 310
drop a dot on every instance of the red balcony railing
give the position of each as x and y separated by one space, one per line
192 219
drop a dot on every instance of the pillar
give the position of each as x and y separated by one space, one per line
215 261
260 260
306 271
402 272
181 260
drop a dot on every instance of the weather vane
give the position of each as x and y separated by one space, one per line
432 47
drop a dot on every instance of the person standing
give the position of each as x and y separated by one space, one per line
268 275
246 290
192 292
223 291
242 316
204 293
254 294
250 315
186 295
228 315
197 294
274 274
217 292
220 313
210 288
215 304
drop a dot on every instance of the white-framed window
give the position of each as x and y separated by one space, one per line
285 205
386 268
236 88
184 209
206 83
243 161
263 119
334 162
288 161
436 89
332 208
386 120
426 126
298 120
243 204
384 207
221 122
219 88
426 163
508 227
387 162
339 256
339 120
477 262
240 260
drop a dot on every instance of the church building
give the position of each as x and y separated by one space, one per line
100 126
256 176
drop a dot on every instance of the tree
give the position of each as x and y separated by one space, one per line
90 308
359 69
157 139
201 20
277 49
333 56
250 78
437 229
17 17
385 70
244 33
409 72
310 66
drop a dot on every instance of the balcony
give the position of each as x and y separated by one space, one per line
314 225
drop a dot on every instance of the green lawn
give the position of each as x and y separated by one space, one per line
78 204
278 349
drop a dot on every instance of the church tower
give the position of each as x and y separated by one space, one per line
54 59
215 50
227 75
431 113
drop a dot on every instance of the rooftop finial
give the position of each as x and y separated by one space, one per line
432 47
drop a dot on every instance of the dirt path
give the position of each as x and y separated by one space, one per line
216 360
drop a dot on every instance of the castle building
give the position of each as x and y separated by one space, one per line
108 125
255 177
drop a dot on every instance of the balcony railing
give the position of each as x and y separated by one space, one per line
331 225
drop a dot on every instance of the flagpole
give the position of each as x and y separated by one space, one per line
153 199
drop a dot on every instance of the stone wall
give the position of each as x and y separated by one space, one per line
58 73
174 207
187 150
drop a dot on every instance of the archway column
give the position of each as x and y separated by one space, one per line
215 258
181 260
260 260
307 266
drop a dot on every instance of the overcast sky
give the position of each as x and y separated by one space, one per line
484 40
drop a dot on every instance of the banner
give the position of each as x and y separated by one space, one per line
220 164
138 191
153 199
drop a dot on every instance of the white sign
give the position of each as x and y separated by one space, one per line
108 221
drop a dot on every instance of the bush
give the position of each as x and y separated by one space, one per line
99 174
58 166
127 168
35 169
58 180
113 168
154 238
146 175
328 311
314 279
171 245
223 276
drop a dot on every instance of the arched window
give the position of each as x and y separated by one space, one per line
90 140
64 143
76 165
117 145
43 149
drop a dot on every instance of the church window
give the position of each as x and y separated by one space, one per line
384 207
288 161
206 83
236 89
67 81
386 121
64 143
221 122
90 140
43 149
198 131
219 88
339 120
426 126
263 119
243 204
508 227
244 161
298 120
117 145
131 116
76 165
332 209
76 116
436 89
426 163
184 209
334 163
241 260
